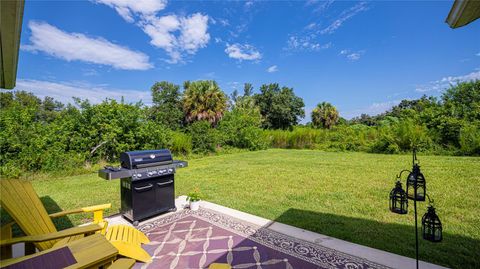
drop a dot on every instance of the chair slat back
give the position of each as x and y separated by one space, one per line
21 202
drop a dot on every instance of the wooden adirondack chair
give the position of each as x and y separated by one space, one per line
93 251
21 202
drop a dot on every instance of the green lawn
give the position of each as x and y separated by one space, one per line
343 195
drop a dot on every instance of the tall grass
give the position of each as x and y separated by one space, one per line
341 138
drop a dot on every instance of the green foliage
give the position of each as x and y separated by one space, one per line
341 138
402 136
463 101
181 143
241 127
204 100
152 136
204 137
167 105
470 139
194 196
324 115
45 135
280 107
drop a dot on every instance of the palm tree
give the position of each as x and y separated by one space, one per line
204 100
324 115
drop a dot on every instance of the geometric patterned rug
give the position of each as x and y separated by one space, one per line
195 239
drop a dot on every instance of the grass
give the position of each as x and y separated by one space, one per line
344 195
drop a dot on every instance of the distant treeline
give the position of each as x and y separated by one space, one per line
46 135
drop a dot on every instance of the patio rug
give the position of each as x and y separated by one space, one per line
195 239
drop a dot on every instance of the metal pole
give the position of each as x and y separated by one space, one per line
416 230
415 206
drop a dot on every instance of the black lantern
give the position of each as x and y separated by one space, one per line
398 199
416 184
431 226
416 191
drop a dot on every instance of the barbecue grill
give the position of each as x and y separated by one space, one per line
146 182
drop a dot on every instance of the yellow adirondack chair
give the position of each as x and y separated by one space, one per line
21 202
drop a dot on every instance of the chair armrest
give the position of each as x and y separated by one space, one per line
88 229
94 208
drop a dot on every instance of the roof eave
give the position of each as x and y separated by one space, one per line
11 16
463 12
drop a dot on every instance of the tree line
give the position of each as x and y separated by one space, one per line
199 118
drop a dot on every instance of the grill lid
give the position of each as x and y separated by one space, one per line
145 158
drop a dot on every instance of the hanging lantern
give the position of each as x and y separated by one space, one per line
398 199
431 226
416 184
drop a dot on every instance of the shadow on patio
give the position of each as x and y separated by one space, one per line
454 251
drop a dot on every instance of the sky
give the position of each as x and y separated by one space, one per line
363 57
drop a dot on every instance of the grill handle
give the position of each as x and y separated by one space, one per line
165 183
145 188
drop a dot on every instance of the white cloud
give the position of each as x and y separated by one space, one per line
272 69
318 6
243 52
372 110
128 8
352 55
221 21
306 43
249 4
64 91
75 46
310 26
178 35
446 82
344 16
194 32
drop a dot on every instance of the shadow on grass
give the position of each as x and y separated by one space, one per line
52 207
454 251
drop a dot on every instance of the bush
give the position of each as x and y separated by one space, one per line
470 139
402 136
151 135
241 128
204 137
181 143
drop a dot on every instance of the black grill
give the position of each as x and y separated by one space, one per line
146 181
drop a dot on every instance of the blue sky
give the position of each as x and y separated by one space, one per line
363 57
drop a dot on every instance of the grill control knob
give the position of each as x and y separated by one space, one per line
149 174
170 170
139 175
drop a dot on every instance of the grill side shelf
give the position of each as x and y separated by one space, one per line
117 173
108 174
179 164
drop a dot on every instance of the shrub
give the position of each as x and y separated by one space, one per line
151 135
241 128
181 143
470 139
204 137
402 136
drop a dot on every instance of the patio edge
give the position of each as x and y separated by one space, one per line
375 255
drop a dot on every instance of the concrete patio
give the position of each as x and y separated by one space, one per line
379 258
